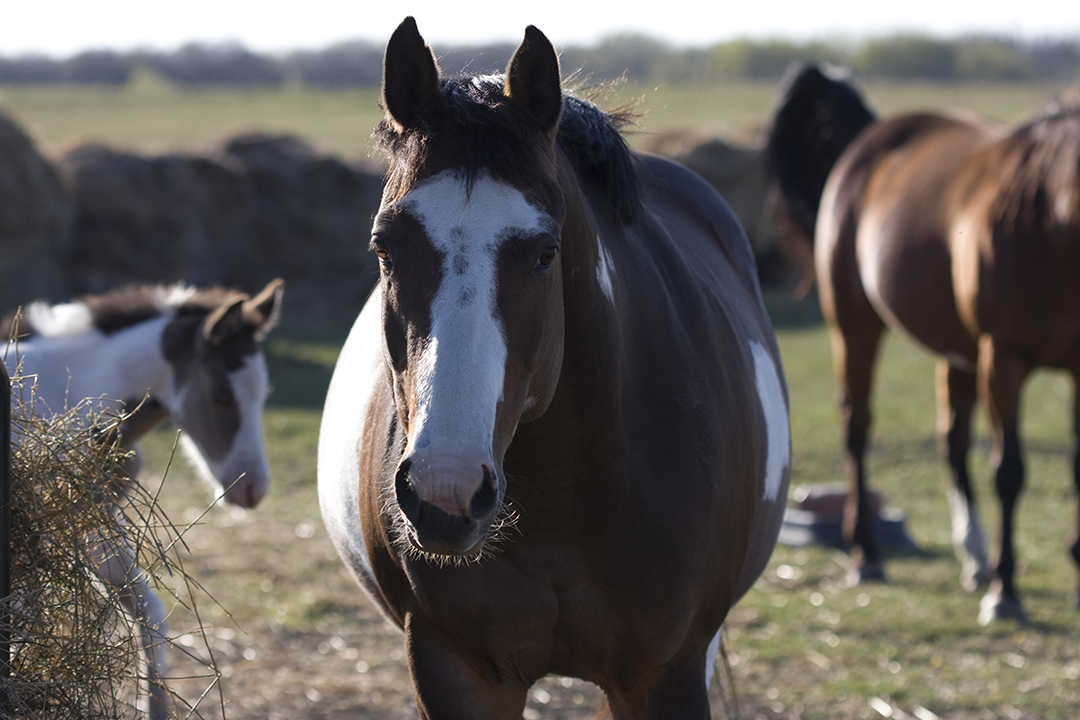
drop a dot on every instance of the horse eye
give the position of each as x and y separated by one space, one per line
382 252
547 257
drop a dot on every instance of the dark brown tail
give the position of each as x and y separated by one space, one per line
819 114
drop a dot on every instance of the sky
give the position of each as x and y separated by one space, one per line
64 27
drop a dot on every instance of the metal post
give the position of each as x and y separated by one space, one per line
5 528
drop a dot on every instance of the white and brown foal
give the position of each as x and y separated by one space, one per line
158 352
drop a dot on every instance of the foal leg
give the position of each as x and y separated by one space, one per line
117 567
956 389
1001 377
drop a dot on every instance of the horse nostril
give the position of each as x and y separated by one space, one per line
407 498
483 501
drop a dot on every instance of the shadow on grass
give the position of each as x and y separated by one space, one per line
301 363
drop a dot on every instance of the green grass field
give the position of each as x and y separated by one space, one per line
293 637
288 626
151 116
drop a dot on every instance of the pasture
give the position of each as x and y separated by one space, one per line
293 637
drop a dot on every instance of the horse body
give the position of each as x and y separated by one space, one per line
155 353
966 238
556 440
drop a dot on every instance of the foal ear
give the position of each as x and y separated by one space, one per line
264 310
532 79
225 321
410 76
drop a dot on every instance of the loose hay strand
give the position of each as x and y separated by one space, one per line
75 651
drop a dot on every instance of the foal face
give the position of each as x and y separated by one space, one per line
220 385
472 322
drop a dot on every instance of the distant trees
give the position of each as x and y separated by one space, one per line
94 67
635 57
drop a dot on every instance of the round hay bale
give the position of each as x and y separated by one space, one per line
34 220
166 218
313 212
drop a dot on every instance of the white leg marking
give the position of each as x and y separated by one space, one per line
771 393
605 271
968 541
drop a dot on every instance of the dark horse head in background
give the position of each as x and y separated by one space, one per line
568 336
964 235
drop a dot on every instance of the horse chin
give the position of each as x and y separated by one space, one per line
470 545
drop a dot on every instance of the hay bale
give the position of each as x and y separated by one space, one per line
164 218
256 208
74 650
312 211
34 217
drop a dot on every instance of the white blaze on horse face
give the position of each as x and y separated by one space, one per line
774 407
460 374
605 271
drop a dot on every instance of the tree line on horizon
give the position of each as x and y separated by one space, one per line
633 57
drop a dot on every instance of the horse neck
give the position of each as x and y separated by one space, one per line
124 366
589 298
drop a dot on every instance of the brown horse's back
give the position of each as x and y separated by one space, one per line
870 243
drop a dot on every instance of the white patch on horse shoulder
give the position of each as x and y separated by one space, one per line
354 381
605 271
462 369
774 407
72 318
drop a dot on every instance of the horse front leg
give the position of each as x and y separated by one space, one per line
118 568
957 392
1001 378
452 682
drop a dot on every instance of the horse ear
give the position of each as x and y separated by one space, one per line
225 321
533 80
410 76
264 310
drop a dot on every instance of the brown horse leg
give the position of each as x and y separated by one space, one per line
452 683
956 389
1001 377
854 354
676 691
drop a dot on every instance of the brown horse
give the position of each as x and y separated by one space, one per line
966 237
556 440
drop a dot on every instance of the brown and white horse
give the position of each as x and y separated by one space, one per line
556 440
192 355
964 236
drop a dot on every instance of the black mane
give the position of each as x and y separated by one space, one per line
484 129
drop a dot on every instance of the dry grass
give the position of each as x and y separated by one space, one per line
74 650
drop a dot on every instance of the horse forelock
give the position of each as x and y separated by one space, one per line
475 128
